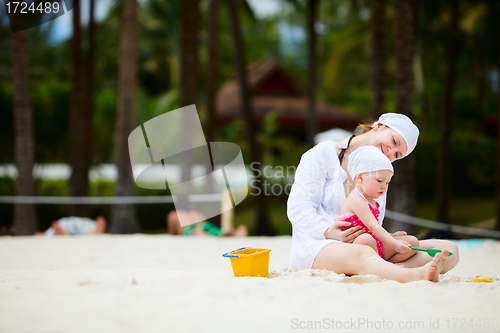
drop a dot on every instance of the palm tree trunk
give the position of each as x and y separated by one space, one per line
378 67
124 217
78 122
213 36
443 180
497 225
25 221
89 90
262 222
402 195
189 18
312 121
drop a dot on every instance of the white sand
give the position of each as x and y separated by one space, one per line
163 283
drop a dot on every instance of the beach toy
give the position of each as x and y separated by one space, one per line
483 279
249 261
431 252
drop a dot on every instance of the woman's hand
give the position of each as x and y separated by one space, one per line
347 236
399 233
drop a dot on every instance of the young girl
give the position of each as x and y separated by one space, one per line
372 171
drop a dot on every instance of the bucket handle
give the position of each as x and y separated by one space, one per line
227 255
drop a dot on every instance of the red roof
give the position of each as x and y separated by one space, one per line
272 88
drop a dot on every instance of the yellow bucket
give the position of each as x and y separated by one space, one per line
249 261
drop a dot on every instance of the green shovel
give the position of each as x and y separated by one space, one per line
431 252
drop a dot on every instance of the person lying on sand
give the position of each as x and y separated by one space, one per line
74 225
200 228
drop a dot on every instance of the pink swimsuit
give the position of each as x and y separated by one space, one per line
350 217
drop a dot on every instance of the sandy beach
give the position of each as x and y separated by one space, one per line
162 283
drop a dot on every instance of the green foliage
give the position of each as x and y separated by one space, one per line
277 149
343 79
167 102
104 125
159 46
472 166
463 211
51 110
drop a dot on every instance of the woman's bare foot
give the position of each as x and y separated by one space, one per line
100 227
435 266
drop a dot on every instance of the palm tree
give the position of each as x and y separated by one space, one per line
378 67
213 36
403 183
78 122
262 222
497 226
89 87
312 122
189 17
213 32
445 124
124 217
25 221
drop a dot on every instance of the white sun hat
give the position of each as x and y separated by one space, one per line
402 125
367 159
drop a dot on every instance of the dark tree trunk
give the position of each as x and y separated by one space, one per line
124 217
189 19
402 194
213 36
189 23
445 123
378 67
497 225
89 89
78 136
312 122
262 222
25 221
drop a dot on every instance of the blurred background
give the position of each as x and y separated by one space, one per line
272 76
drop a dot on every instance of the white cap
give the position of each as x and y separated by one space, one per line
402 125
367 159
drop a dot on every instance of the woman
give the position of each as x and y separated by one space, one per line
321 186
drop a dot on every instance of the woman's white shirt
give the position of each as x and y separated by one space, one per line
316 197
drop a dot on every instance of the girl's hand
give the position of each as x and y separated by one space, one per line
399 233
346 236
402 247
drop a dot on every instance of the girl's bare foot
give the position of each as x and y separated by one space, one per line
435 266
